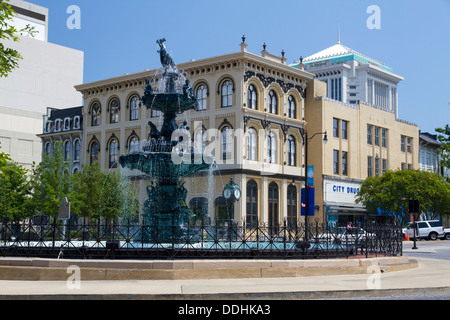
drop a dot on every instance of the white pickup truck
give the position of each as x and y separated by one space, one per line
431 229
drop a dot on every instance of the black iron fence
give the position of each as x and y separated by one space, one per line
123 239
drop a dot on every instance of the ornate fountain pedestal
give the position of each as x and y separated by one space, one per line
165 212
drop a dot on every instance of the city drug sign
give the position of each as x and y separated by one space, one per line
340 191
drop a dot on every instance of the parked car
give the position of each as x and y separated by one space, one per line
447 234
429 229
344 235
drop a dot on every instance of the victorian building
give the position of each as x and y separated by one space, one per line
429 152
251 117
65 126
429 160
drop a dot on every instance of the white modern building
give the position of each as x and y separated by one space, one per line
352 77
46 77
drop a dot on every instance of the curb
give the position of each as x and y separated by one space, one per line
58 270
294 295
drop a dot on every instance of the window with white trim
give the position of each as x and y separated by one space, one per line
252 144
202 97
272 148
227 94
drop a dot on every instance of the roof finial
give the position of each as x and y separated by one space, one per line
339 34
243 44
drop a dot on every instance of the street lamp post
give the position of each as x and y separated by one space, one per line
414 209
305 141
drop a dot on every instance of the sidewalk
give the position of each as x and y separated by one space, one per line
407 248
430 276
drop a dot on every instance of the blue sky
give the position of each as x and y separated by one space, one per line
118 37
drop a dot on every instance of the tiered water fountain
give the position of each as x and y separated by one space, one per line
165 211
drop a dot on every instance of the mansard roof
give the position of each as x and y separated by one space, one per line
65 113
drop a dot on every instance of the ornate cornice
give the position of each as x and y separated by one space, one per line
285 86
269 71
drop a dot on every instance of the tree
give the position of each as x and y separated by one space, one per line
117 196
392 191
98 194
9 58
444 138
85 193
51 181
15 190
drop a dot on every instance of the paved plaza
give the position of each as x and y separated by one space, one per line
430 276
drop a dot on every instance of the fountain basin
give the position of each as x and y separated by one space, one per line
170 102
168 163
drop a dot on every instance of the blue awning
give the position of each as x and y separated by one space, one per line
384 213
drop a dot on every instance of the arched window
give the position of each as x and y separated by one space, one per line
273 102
134 108
66 150
292 107
252 144
66 124
48 148
227 143
113 153
252 97
227 94
58 125
134 145
202 96
94 152
292 206
95 114
199 141
272 148
114 107
273 207
76 122
252 204
291 151
76 150
48 126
